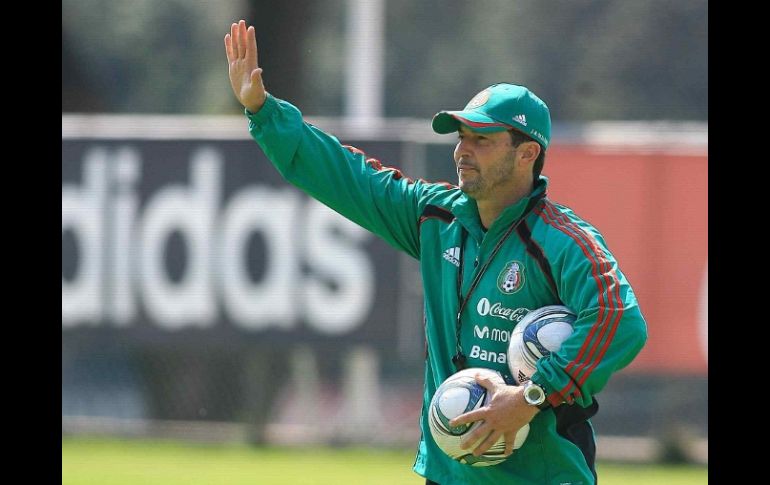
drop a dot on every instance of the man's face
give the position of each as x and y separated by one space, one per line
485 162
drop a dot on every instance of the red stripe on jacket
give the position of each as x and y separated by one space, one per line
397 174
615 314
552 216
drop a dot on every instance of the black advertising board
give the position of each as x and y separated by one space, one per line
189 239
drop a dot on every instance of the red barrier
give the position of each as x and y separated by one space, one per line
652 208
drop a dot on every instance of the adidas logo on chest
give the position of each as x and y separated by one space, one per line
453 256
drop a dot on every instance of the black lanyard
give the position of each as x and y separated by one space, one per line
459 359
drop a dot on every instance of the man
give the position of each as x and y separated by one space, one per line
494 240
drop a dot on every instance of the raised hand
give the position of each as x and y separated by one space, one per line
245 73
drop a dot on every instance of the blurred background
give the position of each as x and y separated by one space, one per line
205 299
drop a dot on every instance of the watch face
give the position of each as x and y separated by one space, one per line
534 394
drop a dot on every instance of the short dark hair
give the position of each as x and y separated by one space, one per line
517 138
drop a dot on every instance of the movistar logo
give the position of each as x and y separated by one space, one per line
496 334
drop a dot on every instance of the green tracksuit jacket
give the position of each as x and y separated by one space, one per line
553 257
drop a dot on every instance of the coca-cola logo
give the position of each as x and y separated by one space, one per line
496 309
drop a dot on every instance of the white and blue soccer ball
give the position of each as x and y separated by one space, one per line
537 335
457 395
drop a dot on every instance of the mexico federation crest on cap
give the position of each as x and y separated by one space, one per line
478 100
511 278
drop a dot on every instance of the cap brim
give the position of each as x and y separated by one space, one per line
449 121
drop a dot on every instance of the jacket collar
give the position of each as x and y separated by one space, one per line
466 211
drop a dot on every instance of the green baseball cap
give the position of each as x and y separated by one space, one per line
500 107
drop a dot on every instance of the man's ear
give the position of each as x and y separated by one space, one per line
530 150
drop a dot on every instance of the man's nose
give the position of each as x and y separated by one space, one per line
463 149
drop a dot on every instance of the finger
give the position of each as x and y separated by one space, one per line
234 40
510 437
487 443
468 417
256 75
485 382
472 439
242 39
229 47
251 47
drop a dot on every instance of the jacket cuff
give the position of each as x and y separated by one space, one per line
264 113
552 397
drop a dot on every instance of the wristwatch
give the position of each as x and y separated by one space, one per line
535 395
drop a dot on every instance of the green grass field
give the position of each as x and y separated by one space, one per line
143 462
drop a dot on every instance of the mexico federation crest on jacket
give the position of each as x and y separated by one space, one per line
511 278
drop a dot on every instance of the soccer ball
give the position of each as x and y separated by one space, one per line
457 395
539 333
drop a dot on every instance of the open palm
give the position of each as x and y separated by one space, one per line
245 73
